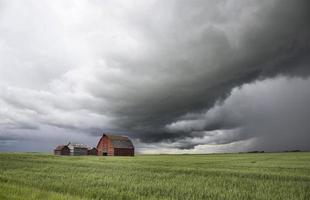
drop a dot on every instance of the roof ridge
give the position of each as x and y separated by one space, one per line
113 135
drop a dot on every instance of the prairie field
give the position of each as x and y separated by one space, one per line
29 176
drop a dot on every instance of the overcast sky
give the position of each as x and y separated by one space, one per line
175 76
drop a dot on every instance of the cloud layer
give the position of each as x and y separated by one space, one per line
270 113
151 69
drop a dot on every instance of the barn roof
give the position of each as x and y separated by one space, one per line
60 147
116 137
120 141
122 144
77 145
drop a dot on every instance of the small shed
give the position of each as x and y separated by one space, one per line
92 151
77 149
115 145
62 150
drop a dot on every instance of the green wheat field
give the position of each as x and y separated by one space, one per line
271 176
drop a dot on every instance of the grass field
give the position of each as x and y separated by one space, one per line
219 176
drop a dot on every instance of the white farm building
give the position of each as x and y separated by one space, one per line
78 149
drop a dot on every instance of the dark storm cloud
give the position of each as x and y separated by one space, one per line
149 70
198 64
276 122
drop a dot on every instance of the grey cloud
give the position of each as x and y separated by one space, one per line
195 64
275 122
89 66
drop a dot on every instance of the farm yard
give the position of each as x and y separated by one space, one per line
29 176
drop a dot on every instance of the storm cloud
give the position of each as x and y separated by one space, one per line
271 113
170 74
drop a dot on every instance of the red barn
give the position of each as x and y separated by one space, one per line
114 145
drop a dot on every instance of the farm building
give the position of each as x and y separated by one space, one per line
78 149
114 145
92 151
62 150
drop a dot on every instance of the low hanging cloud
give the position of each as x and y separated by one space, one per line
271 113
146 69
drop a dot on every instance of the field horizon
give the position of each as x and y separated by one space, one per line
139 154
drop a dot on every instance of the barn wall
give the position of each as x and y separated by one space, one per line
65 152
101 146
93 152
79 151
105 146
123 152
57 152
62 152
110 148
